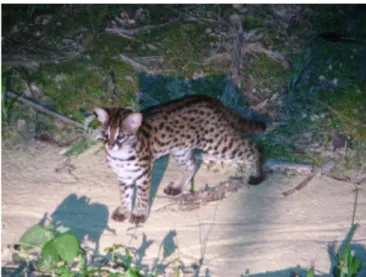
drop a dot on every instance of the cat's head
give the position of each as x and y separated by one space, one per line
119 126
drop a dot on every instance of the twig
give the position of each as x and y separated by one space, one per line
300 186
120 32
45 110
28 61
323 170
133 32
354 206
135 65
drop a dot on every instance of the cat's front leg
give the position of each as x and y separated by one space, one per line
123 212
141 209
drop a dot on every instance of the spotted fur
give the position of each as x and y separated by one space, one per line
176 128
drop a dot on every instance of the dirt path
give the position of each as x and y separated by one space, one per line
256 228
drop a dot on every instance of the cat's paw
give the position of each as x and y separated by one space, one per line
137 218
120 214
172 191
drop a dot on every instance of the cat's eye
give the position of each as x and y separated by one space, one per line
119 137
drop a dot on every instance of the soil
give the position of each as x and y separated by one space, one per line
256 228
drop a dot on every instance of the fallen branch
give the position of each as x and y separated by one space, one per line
133 32
45 110
120 32
135 65
29 61
280 166
192 201
323 170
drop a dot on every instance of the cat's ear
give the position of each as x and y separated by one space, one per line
132 122
102 114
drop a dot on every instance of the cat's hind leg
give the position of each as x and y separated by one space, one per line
187 163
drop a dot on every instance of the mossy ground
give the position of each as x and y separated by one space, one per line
326 72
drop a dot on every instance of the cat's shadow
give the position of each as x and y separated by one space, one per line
87 220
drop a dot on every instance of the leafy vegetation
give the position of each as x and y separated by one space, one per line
60 248
7 104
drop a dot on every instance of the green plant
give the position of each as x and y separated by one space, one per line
7 105
79 147
58 248
125 263
299 65
348 265
310 272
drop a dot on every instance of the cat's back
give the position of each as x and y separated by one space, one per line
197 113
189 108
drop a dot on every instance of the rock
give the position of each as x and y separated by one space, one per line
151 47
22 126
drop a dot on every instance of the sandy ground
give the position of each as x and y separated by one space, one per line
255 228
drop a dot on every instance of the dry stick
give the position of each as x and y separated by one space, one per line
354 207
45 110
133 32
119 32
135 65
303 184
324 169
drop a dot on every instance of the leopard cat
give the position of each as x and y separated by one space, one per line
133 142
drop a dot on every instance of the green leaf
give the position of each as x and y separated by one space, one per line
79 147
114 275
310 272
49 256
64 271
128 258
79 116
67 247
81 262
96 90
133 272
356 266
35 236
336 271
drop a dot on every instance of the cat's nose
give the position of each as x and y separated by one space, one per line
110 146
